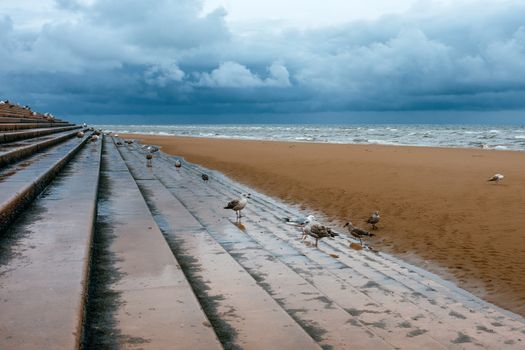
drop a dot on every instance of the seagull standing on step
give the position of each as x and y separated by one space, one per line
178 164
374 219
357 232
496 178
238 204
317 231
153 149
299 221
305 221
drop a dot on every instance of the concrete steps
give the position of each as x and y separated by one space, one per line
44 260
21 182
24 126
449 315
171 268
16 119
489 328
152 305
14 151
330 319
243 314
32 133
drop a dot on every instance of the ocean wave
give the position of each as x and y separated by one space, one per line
382 142
502 137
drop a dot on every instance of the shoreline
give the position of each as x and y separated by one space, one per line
130 134
435 203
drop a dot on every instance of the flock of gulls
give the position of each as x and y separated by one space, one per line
309 226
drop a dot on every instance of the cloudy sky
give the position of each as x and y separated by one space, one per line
275 60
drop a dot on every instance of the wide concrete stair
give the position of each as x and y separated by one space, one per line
99 251
45 260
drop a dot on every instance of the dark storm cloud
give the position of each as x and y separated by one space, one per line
162 57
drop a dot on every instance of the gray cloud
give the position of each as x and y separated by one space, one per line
121 55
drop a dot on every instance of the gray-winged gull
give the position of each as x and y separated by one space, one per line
238 204
317 231
357 232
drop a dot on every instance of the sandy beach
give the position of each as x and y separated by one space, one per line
438 211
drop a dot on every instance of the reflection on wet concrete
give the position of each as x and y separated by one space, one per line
100 326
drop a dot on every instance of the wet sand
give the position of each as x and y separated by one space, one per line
438 211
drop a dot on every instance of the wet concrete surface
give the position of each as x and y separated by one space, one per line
100 326
13 152
153 305
13 136
44 261
327 322
398 302
21 182
238 301
23 126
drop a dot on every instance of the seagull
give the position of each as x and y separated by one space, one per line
374 219
299 221
317 231
357 232
80 134
496 178
153 149
238 204
205 177
178 164
309 219
149 157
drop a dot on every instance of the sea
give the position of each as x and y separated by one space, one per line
497 137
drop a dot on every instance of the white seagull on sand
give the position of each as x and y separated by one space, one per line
238 204
496 178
